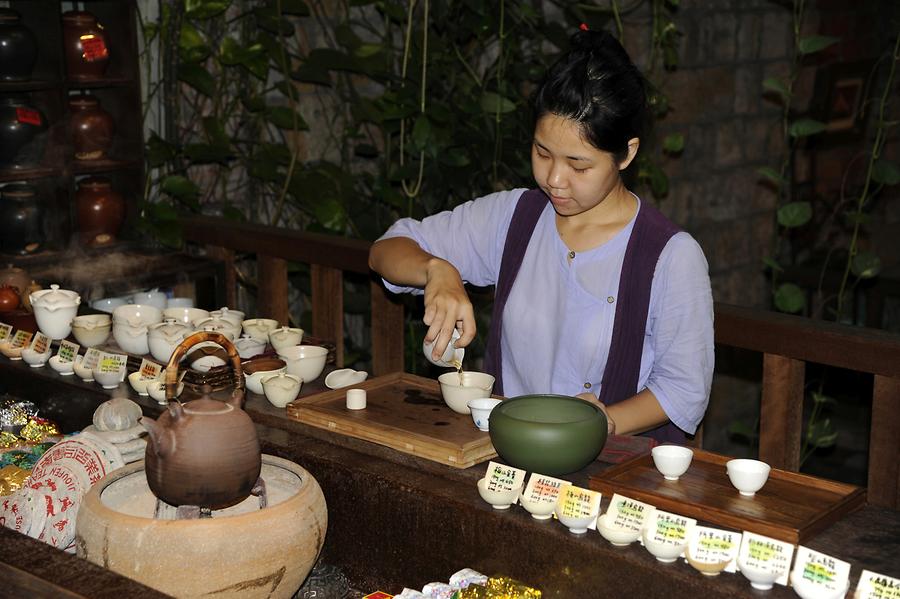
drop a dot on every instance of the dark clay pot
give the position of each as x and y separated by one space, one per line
84 46
100 210
92 128
18 47
550 434
21 128
20 219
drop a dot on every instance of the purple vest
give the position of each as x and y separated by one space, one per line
651 232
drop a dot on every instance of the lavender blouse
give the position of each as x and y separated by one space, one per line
558 321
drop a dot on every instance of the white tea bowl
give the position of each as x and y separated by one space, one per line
539 510
185 315
305 361
282 388
747 476
138 383
806 589
499 500
180 302
108 304
458 388
664 552
481 411
91 330
63 368
617 535
256 370
157 389
109 380
671 460
82 371
577 525
154 298
761 580
34 359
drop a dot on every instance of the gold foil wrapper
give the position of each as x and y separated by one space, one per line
8 440
11 479
38 429
511 588
476 591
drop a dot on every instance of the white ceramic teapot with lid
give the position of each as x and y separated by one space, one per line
164 337
54 310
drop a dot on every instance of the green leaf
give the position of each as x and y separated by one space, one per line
777 86
421 132
885 172
159 151
821 433
204 9
231 53
816 43
673 143
283 118
197 77
311 73
192 46
180 187
493 103
215 131
806 127
825 400
771 174
865 265
773 264
789 298
794 214
267 18
367 50
206 153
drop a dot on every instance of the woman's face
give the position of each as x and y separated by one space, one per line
574 174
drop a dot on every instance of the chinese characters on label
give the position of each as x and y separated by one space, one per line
501 478
767 554
67 351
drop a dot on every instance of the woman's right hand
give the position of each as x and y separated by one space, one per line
447 306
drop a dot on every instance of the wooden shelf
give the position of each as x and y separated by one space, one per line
81 167
27 85
99 83
28 174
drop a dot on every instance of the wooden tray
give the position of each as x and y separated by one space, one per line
404 412
790 507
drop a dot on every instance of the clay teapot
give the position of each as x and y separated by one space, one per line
205 452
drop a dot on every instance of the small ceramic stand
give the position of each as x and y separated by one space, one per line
577 508
819 576
666 535
872 585
712 550
541 494
501 485
764 561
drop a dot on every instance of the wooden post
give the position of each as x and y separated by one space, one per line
328 307
781 412
387 331
227 288
884 444
272 299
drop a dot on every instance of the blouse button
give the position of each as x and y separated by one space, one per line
571 255
587 385
610 299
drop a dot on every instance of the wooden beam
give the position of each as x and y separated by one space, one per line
328 307
228 287
884 444
387 331
272 297
781 412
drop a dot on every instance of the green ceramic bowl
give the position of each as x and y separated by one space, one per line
549 434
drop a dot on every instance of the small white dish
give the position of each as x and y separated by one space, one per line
345 377
663 552
747 476
618 536
63 368
761 580
34 359
671 460
539 510
499 500
481 411
282 388
139 384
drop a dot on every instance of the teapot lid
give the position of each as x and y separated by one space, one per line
168 328
55 296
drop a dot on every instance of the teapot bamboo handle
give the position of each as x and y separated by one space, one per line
189 342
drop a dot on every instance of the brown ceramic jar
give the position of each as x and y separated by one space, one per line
100 210
92 127
84 45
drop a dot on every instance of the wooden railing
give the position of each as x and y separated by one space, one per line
786 342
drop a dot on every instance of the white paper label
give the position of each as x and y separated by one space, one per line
91 358
112 362
668 528
764 553
575 502
501 478
543 489
5 330
67 351
41 343
714 546
21 339
149 370
627 513
872 585
829 574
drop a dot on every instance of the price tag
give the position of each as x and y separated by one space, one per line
41 343
543 489
91 358
714 546
627 513
21 339
112 362
93 48
877 586
829 574
669 528
29 116
575 502
149 370
67 351
5 330
764 553
501 478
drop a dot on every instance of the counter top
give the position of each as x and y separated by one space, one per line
397 520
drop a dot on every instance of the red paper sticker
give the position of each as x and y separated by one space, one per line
29 116
93 48
378 595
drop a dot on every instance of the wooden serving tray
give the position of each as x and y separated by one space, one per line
791 506
403 411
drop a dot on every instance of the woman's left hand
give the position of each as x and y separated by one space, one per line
610 423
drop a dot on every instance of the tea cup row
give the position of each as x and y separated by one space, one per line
748 476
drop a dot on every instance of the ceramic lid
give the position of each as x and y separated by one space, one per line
169 329
55 298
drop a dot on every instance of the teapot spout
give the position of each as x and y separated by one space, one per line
158 439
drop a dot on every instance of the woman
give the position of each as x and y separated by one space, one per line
597 294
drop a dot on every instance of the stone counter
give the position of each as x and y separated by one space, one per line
397 520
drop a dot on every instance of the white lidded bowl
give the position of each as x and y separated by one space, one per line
164 337
248 347
672 460
132 340
54 310
474 385
305 361
285 337
185 314
747 476
235 317
259 328
137 315
282 388
91 330
217 324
